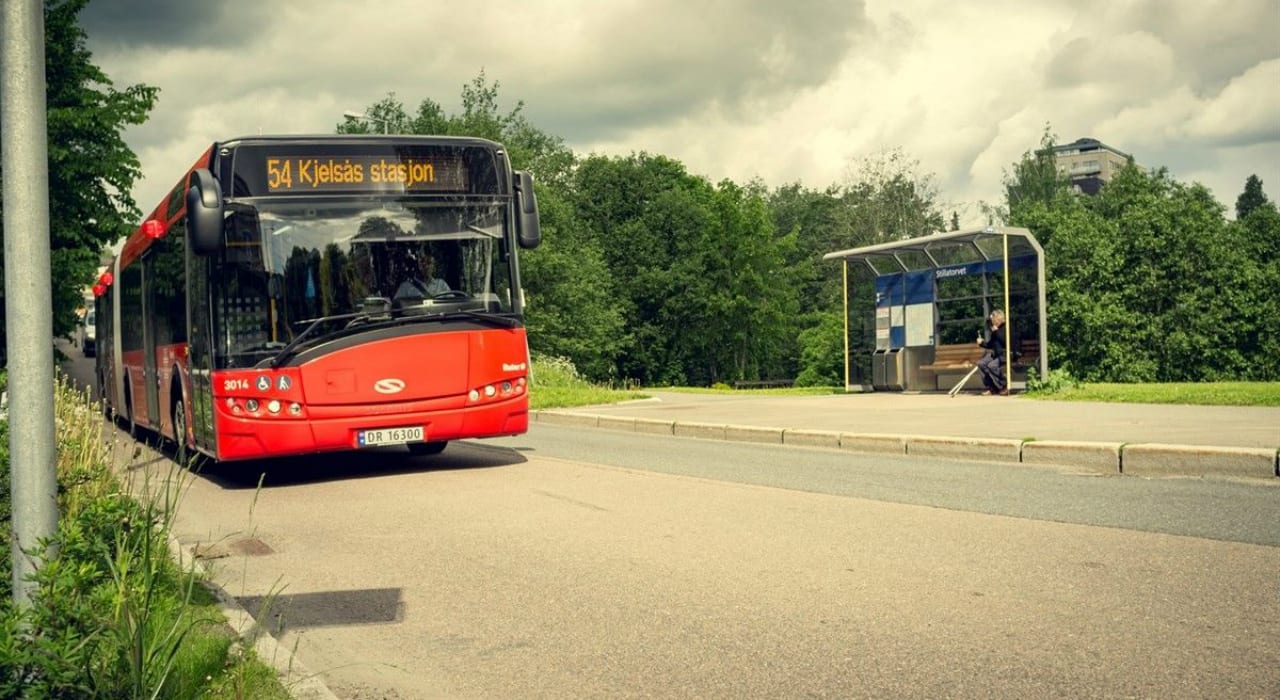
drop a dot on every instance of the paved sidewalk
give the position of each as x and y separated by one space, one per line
1154 438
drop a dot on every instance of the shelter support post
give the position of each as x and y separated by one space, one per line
845 285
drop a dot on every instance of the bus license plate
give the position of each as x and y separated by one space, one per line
390 436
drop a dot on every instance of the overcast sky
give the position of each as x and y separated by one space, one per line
783 91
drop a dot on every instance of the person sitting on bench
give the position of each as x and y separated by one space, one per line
993 362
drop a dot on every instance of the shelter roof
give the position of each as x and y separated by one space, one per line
942 250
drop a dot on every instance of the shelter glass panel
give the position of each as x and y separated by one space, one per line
954 253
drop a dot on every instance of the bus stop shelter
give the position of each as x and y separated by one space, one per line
906 302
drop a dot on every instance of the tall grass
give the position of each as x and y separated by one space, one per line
555 383
112 615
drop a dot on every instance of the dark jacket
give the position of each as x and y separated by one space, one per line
995 342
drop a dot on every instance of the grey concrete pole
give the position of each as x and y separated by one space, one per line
28 309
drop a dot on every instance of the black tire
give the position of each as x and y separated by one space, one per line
180 451
128 407
419 449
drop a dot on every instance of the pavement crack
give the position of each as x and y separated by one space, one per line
574 501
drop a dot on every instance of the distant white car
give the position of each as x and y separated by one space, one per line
88 333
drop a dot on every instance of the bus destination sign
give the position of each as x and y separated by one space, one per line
300 174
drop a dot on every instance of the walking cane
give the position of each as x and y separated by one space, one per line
956 389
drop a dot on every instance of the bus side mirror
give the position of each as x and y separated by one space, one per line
204 212
528 229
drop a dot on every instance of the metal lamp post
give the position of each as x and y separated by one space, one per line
366 117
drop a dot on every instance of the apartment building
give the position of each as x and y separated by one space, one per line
1089 163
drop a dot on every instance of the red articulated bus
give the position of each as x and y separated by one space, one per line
304 294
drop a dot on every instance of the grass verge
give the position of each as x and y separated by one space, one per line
1193 394
111 614
778 391
555 383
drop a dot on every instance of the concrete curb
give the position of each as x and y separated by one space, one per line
880 444
300 683
1154 459
707 431
989 449
1141 459
751 433
1096 457
810 438
655 427
579 420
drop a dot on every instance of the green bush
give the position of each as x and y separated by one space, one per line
1059 380
822 353
549 371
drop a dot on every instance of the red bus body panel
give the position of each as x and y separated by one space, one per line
413 380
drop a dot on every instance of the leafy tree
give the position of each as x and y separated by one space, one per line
1257 236
574 309
1251 198
1034 183
749 305
529 148
822 353
91 170
819 222
891 200
885 199
703 278
1147 282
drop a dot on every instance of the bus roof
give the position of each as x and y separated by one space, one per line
304 139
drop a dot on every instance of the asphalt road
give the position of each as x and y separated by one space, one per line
598 564
1246 510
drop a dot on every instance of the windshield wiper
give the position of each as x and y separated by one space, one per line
415 315
289 349
491 318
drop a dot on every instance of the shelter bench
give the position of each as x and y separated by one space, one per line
955 358
961 357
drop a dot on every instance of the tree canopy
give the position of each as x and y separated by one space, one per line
1148 281
91 169
651 274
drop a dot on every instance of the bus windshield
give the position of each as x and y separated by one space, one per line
287 264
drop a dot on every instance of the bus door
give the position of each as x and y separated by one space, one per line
200 355
150 377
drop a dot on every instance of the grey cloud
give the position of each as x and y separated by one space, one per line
129 24
676 59
588 77
1213 41
1209 42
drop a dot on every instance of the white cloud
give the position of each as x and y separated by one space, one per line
1245 112
781 91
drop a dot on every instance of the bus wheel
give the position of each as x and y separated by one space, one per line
128 407
180 432
427 448
102 396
